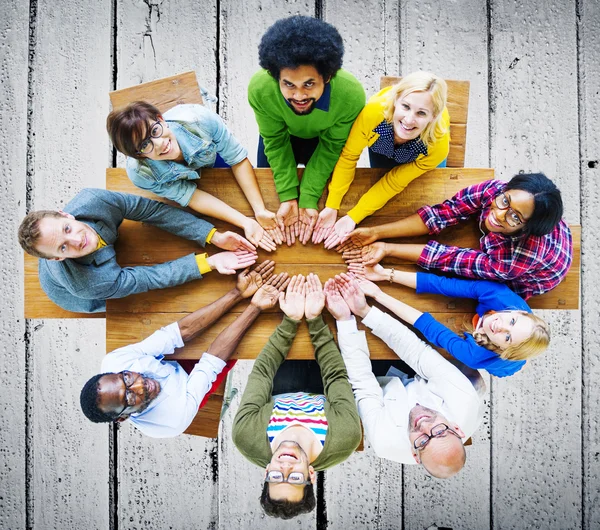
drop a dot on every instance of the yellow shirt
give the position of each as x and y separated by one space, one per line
394 181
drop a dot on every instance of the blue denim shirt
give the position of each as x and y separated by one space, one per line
201 134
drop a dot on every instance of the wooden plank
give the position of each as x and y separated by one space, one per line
542 485
70 71
589 88
163 93
15 464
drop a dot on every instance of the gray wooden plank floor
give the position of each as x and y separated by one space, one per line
534 68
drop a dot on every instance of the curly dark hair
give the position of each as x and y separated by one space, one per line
286 509
548 209
297 41
89 402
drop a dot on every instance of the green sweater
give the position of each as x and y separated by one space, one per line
276 122
250 424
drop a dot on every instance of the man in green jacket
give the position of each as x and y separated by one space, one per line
305 105
287 422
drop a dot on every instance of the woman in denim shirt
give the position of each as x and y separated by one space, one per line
165 152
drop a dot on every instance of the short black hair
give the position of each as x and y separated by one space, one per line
89 402
285 509
548 209
297 41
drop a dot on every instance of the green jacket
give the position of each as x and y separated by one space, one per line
276 122
250 424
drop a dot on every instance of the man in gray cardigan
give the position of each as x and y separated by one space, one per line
78 267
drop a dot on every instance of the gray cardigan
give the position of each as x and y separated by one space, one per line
83 284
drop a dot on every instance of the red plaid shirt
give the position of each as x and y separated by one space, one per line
528 264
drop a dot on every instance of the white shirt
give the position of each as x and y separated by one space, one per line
172 411
384 403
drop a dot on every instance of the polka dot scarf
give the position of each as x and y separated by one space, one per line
402 153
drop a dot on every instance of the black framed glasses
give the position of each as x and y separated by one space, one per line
437 431
130 397
512 218
147 146
295 477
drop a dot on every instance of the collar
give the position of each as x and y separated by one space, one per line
322 103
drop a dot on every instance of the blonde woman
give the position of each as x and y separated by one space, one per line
505 333
406 128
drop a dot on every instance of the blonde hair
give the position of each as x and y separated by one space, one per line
531 347
421 81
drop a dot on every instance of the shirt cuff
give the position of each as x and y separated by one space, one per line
288 195
202 262
215 363
210 235
346 326
308 201
373 317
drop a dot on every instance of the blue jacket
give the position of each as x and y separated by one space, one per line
490 296
201 134
83 284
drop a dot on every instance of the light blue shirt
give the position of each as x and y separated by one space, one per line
172 411
201 134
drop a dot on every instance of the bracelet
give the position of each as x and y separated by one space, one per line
391 278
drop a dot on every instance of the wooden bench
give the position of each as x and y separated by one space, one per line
458 108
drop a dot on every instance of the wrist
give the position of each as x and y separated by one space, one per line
236 294
363 312
310 316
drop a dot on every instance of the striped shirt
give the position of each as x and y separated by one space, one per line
298 408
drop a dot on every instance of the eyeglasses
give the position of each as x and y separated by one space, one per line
147 146
295 477
130 397
512 218
436 432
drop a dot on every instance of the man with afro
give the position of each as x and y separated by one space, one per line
305 105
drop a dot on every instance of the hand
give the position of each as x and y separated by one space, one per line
324 226
258 236
288 215
358 238
307 220
315 298
352 294
340 232
248 281
369 255
269 221
375 273
229 262
231 241
336 305
292 301
267 296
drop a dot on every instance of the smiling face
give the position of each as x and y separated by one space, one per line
165 147
301 87
516 202
412 113
506 328
65 237
115 396
287 458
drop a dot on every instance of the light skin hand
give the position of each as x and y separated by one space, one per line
249 281
267 296
257 235
292 301
269 221
324 226
307 220
288 216
334 302
375 273
352 294
359 237
229 262
315 297
340 232
369 255
231 241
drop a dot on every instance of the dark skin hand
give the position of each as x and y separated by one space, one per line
247 284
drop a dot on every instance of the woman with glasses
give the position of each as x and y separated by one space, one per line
504 332
165 152
407 129
525 243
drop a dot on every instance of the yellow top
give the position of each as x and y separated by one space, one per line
101 242
394 181
203 265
